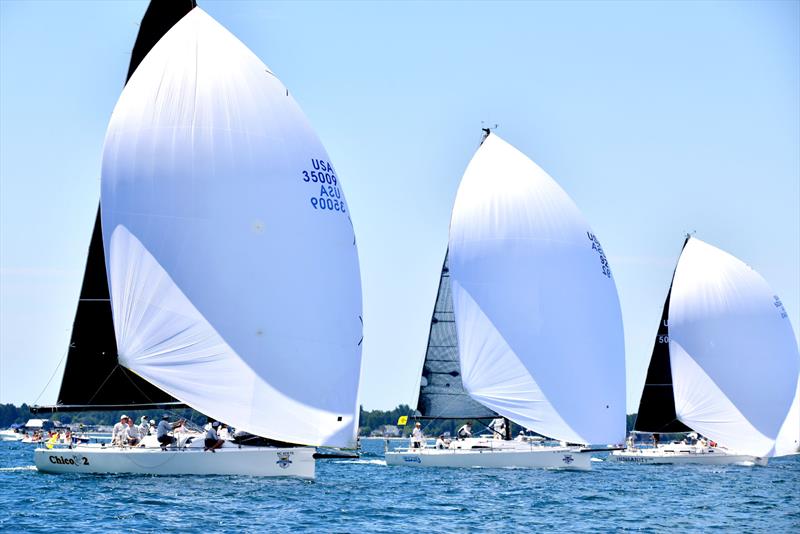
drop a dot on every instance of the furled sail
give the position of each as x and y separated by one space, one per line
231 257
537 313
733 354
441 393
657 406
92 376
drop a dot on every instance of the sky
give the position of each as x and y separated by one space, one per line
657 119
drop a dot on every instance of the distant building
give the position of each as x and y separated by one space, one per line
386 431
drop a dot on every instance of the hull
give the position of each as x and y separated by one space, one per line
253 461
532 458
677 457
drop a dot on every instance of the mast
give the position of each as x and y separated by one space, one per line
656 412
92 376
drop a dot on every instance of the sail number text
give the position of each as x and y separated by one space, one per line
603 261
330 195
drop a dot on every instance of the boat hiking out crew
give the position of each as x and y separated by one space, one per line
163 430
119 428
417 438
465 431
212 438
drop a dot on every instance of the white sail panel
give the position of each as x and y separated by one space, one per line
531 274
213 169
699 400
728 321
788 440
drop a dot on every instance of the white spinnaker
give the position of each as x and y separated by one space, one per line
216 188
537 313
788 440
724 317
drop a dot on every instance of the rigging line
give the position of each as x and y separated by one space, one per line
58 366
101 385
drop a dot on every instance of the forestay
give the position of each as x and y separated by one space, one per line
538 318
231 257
733 354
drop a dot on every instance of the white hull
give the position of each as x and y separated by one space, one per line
689 455
531 458
10 435
229 460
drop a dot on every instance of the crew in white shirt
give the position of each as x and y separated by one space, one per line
144 427
417 437
212 438
119 428
498 427
130 436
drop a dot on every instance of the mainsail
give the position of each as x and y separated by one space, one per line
92 376
657 406
537 313
733 355
231 258
441 393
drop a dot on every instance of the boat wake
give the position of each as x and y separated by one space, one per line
360 461
20 468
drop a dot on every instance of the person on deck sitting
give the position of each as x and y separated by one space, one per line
212 438
417 438
465 431
144 427
130 436
440 443
163 430
119 428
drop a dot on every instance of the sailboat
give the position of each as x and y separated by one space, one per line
231 264
526 326
724 368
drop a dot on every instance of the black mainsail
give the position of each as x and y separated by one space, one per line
92 376
441 393
657 405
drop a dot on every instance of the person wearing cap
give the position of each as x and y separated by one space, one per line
212 438
119 428
417 437
440 442
163 431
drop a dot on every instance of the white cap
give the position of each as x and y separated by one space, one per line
121 417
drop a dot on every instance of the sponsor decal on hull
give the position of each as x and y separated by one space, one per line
412 459
284 459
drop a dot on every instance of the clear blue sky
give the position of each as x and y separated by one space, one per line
657 118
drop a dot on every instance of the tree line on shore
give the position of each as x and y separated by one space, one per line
370 420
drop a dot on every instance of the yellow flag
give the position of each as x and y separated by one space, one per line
402 421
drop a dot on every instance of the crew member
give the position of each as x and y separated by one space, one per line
212 438
440 443
498 427
465 431
417 438
163 430
119 428
130 436
144 427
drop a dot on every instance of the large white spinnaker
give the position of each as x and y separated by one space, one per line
733 354
231 258
537 313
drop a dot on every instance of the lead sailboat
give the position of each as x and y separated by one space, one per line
217 203
527 324
724 368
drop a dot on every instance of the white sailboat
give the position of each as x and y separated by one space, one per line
527 323
725 365
231 260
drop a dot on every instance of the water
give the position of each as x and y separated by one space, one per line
365 495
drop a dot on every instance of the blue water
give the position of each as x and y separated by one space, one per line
365 495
